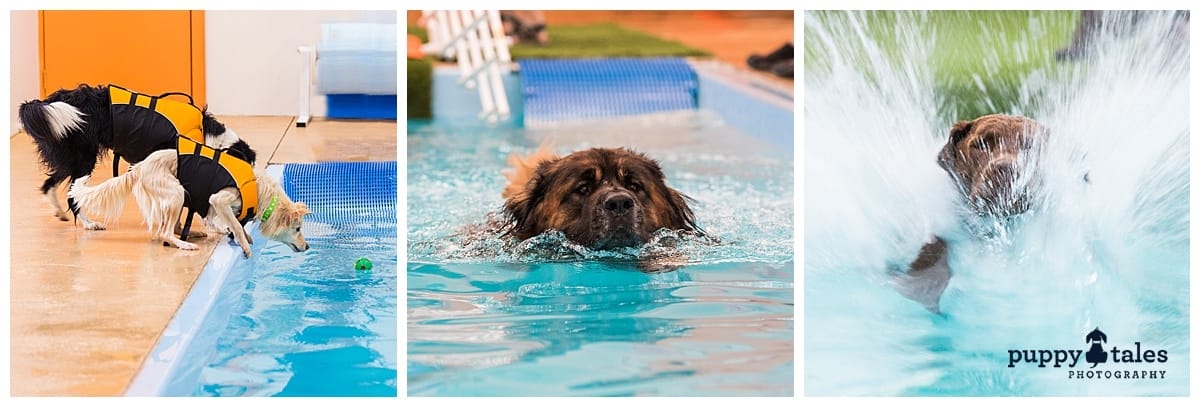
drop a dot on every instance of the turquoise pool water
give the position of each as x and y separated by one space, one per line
308 324
546 317
1109 254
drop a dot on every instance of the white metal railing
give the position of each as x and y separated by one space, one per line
476 40
306 61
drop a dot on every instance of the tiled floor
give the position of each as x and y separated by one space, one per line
87 306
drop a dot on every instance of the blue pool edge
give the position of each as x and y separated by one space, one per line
756 107
162 373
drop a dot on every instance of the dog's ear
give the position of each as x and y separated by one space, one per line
949 154
210 124
674 207
960 130
523 167
242 150
521 203
679 213
302 209
284 218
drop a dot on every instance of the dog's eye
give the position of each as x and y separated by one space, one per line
297 229
635 186
583 189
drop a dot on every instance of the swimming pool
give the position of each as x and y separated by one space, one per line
1110 254
295 324
546 317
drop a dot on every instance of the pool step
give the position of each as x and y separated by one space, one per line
556 90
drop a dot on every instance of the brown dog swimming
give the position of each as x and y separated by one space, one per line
988 158
602 198
985 158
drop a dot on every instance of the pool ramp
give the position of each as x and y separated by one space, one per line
556 90
344 192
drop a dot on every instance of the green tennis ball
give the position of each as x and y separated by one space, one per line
363 264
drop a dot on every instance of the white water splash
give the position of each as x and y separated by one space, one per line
1111 252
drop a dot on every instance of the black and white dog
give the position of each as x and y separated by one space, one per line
74 128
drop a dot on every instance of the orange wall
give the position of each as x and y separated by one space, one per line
147 51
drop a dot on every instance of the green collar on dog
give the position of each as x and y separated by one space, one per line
270 208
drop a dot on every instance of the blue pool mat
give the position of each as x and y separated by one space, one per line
570 89
345 193
356 106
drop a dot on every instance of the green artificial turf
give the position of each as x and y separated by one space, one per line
602 40
420 81
978 58
419 32
420 89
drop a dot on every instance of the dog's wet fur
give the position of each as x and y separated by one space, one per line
602 198
992 162
988 157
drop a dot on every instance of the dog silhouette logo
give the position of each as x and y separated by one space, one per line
1096 355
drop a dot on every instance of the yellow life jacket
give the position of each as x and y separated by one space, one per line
204 170
186 117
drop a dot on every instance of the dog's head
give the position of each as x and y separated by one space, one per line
989 158
601 197
285 223
216 135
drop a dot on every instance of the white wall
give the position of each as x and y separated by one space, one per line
252 66
25 75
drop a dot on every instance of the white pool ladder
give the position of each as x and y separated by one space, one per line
475 38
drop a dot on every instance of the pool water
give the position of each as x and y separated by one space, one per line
491 316
1111 253
308 324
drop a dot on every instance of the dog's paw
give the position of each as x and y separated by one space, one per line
94 226
62 216
188 246
197 234
246 252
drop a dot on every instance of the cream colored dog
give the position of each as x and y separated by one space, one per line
160 196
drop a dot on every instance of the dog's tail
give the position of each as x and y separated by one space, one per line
50 121
108 197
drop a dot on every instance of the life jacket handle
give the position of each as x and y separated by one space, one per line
189 97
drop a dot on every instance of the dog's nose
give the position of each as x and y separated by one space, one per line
618 202
299 246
